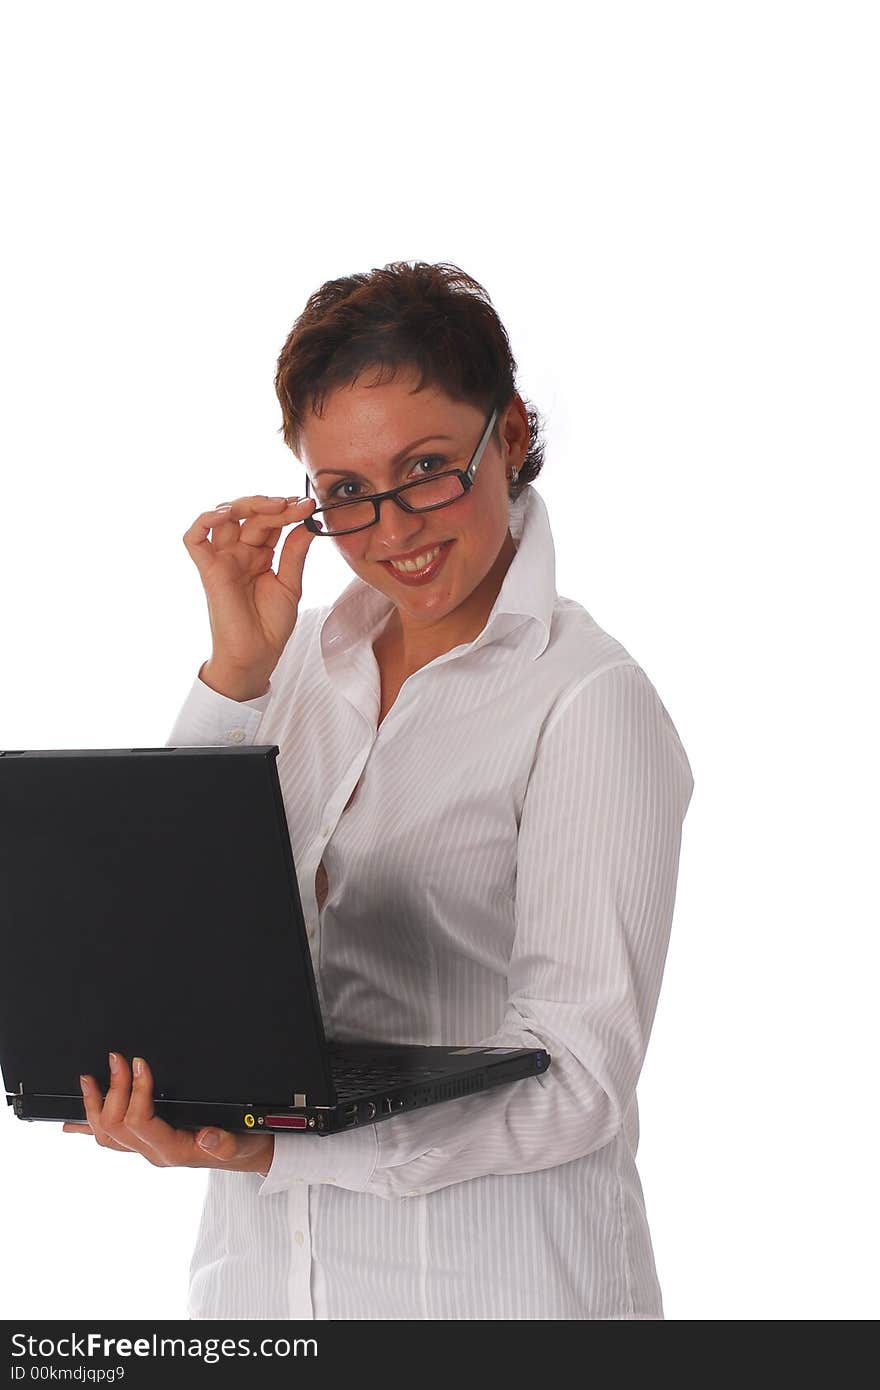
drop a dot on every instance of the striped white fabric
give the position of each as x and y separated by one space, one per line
505 873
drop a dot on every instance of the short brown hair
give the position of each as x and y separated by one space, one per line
434 318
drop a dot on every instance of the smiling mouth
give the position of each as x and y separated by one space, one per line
420 565
419 562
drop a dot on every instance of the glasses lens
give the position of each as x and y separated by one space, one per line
345 516
421 496
433 492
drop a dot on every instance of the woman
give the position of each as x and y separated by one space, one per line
485 798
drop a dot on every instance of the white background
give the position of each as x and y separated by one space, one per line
674 208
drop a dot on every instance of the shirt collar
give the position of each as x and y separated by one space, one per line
528 590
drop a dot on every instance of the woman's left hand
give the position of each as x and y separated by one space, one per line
125 1120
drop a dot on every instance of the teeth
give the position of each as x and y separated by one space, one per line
419 563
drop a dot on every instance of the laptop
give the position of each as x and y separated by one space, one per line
149 904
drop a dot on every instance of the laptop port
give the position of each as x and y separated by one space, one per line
288 1121
348 1115
392 1103
371 1110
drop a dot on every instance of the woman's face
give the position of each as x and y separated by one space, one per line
349 453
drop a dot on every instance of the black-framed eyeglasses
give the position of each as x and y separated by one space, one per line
424 495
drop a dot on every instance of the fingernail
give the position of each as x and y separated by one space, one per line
136 1065
114 1061
210 1141
84 1085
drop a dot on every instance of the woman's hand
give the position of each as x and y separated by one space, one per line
125 1120
252 609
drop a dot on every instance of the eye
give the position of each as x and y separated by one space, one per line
334 491
434 459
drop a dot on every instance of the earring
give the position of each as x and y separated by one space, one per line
512 477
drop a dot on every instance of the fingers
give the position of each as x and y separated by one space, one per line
263 517
165 1146
218 1145
117 1119
104 1114
264 527
112 1119
69 1127
141 1128
125 1119
292 559
248 1153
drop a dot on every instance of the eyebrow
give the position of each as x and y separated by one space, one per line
398 458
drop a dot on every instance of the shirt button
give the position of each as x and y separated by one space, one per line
299 1237
325 829
237 735
310 928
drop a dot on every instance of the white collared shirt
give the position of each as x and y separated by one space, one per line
505 874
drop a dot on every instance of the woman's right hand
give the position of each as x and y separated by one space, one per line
252 610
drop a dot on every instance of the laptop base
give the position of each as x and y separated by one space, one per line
370 1107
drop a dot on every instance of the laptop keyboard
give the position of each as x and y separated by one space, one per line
354 1078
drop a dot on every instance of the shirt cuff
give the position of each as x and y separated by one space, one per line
347 1159
208 718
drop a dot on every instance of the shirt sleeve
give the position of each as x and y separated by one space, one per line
597 868
208 719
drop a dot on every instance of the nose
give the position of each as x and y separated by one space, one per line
398 530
